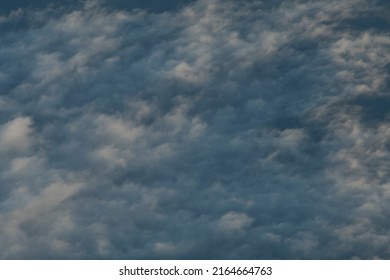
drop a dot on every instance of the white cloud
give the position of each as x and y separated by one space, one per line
233 222
15 135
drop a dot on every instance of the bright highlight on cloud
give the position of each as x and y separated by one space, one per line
221 130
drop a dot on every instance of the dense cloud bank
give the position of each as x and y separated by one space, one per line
225 129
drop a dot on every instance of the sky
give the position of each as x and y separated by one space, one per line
205 129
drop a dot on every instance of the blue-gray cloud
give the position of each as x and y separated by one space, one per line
218 129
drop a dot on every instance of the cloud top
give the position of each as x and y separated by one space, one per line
221 130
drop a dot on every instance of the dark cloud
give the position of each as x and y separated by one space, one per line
212 130
150 5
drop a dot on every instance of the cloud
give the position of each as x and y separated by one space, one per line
15 135
234 222
218 130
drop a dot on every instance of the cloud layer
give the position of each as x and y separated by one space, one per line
222 130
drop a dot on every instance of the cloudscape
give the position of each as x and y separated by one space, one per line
209 129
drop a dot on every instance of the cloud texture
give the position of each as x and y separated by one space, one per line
221 130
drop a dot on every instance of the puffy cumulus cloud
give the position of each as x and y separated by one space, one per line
223 130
